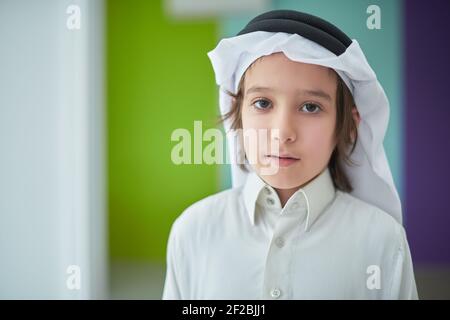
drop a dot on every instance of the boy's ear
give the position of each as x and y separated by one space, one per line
356 116
357 119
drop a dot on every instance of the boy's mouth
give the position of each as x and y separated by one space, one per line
283 157
283 161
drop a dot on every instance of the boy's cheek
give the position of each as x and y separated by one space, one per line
318 145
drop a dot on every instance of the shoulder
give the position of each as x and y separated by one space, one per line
207 212
364 212
369 220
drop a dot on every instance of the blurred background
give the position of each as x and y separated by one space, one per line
91 91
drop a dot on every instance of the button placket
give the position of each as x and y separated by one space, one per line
277 278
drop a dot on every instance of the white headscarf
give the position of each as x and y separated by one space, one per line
371 179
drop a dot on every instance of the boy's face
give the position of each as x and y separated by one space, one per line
299 100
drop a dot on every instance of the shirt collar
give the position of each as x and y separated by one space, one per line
312 199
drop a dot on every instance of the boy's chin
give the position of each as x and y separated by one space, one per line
282 179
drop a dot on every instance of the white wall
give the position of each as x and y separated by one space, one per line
52 150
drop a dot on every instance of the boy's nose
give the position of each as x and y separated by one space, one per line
285 123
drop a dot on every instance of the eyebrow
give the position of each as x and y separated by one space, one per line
316 93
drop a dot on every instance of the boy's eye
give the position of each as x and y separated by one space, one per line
310 108
262 104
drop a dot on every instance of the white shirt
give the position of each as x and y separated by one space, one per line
241 244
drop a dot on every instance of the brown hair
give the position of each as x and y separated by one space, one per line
344 129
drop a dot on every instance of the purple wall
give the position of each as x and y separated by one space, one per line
427 107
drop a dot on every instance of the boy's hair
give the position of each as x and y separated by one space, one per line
345 127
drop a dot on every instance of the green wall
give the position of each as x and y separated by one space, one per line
159 78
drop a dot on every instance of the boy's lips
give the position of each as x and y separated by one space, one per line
283 161
283 156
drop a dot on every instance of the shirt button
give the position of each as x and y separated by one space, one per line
275 293
267 190
270 201
279 241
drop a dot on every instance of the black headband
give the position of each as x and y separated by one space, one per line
311 27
